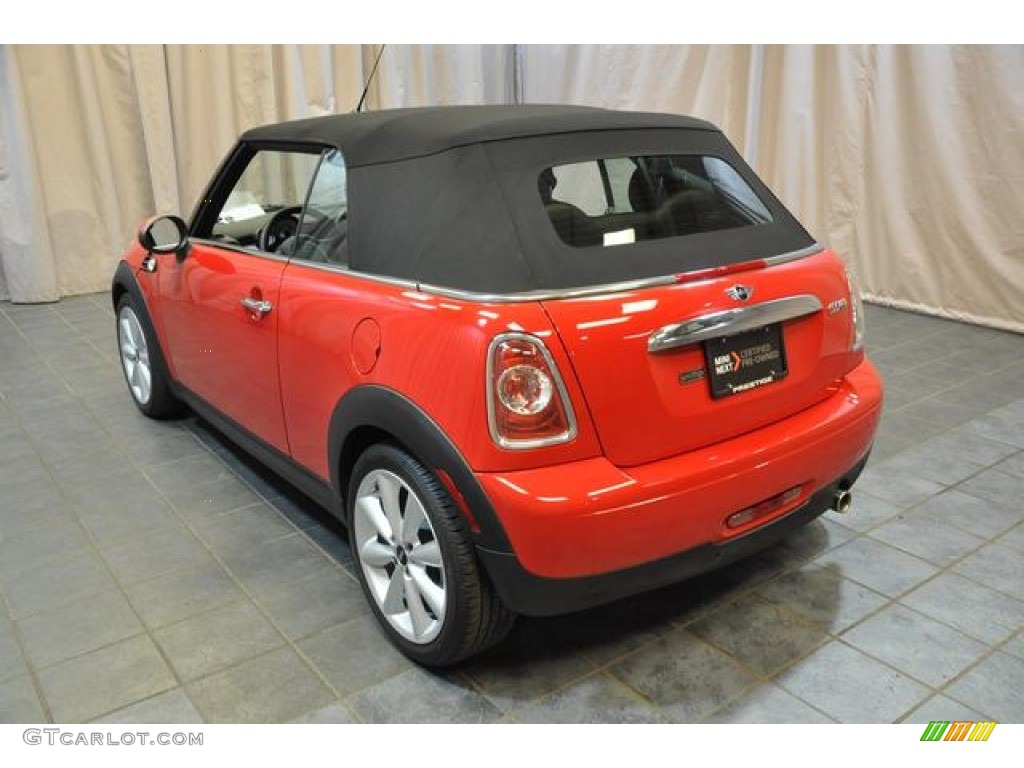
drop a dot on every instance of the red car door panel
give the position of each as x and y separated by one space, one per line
224 350
319 313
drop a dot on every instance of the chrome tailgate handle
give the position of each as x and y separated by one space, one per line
258 307
729 321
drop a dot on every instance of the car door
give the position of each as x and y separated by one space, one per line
322 306
220 300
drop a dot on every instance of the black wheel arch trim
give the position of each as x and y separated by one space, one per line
380 408
124 277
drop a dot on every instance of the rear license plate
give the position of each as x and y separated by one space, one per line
746 360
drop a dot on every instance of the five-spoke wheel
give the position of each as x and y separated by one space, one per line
417 562
400 556
142 361
134 355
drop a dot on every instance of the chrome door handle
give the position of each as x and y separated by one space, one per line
258 307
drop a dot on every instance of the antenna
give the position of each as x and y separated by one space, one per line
369 80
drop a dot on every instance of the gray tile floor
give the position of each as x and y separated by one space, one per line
150 573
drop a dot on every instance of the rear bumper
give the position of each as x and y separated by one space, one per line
531 595
587 532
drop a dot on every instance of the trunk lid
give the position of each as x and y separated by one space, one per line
653 399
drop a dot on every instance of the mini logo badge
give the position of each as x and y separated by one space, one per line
739 292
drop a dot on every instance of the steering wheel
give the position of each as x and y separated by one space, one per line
283 229
281 226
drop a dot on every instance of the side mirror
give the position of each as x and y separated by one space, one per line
164 234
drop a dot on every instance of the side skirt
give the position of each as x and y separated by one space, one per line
281 465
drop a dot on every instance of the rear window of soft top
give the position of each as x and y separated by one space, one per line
621 200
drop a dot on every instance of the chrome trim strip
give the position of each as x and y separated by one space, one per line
237 249
339 269
730 321
546 295
502 298
324 266
784 258
595 290
521 445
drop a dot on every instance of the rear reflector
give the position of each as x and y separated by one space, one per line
762 508
458 498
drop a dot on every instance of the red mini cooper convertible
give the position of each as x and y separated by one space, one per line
536 358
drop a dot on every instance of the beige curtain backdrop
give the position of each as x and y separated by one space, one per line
909 161
93 139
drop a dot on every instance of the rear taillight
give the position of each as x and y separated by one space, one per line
856 311
527 405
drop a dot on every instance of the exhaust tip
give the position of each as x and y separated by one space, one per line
841 501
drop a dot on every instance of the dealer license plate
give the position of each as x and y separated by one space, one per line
746 360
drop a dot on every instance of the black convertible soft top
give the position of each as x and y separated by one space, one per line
400 134
448 196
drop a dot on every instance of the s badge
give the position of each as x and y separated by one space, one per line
836 305
687 377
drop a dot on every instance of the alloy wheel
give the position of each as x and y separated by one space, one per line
135 355
400 556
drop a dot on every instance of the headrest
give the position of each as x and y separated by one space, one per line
546 184
640 196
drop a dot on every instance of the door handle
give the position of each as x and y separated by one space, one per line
258 307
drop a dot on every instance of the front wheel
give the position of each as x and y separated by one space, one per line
143 363
416 563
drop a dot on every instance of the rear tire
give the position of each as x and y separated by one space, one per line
142 362
416 563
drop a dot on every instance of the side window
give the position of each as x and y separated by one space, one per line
262 209
580 184
323 232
